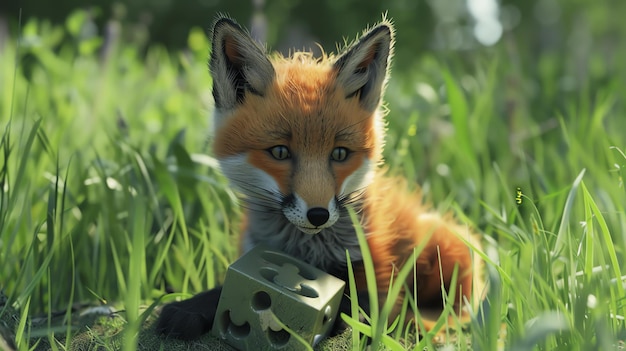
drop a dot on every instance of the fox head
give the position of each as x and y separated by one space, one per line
299 137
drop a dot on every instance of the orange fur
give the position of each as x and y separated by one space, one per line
301 139
305 108
397 223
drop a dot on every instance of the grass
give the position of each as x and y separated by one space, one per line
109 195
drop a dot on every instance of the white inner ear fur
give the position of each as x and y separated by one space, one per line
363 67
237 61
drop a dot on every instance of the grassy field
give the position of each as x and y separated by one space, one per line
109 196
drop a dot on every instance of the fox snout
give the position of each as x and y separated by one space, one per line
310 219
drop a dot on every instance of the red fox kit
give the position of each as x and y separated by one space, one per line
301 139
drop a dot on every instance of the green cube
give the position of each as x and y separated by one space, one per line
266 289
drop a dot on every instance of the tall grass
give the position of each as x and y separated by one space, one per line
109 195
98 185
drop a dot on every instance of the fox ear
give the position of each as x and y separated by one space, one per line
362 70
238 65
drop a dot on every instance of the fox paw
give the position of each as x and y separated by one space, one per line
189 319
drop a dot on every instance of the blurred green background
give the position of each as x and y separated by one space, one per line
423 25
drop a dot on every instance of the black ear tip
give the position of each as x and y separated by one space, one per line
385 28
225 21
223 25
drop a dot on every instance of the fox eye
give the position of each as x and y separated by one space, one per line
339 154
280 152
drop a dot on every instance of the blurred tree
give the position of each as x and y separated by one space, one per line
289 23
422 26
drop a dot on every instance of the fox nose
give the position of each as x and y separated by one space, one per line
317 216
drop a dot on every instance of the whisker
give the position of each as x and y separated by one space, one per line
259 199
352 198
259 209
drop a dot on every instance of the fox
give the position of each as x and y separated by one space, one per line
301 140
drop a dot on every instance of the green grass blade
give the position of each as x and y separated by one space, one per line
561 238
377 325
539 328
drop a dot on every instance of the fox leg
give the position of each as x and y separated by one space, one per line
189 319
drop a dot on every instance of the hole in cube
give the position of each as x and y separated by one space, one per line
281 259
261 301
278 338
308 291
268 273
239 331
328 315
224 322
285 278
227 326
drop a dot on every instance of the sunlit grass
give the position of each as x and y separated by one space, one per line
109 195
